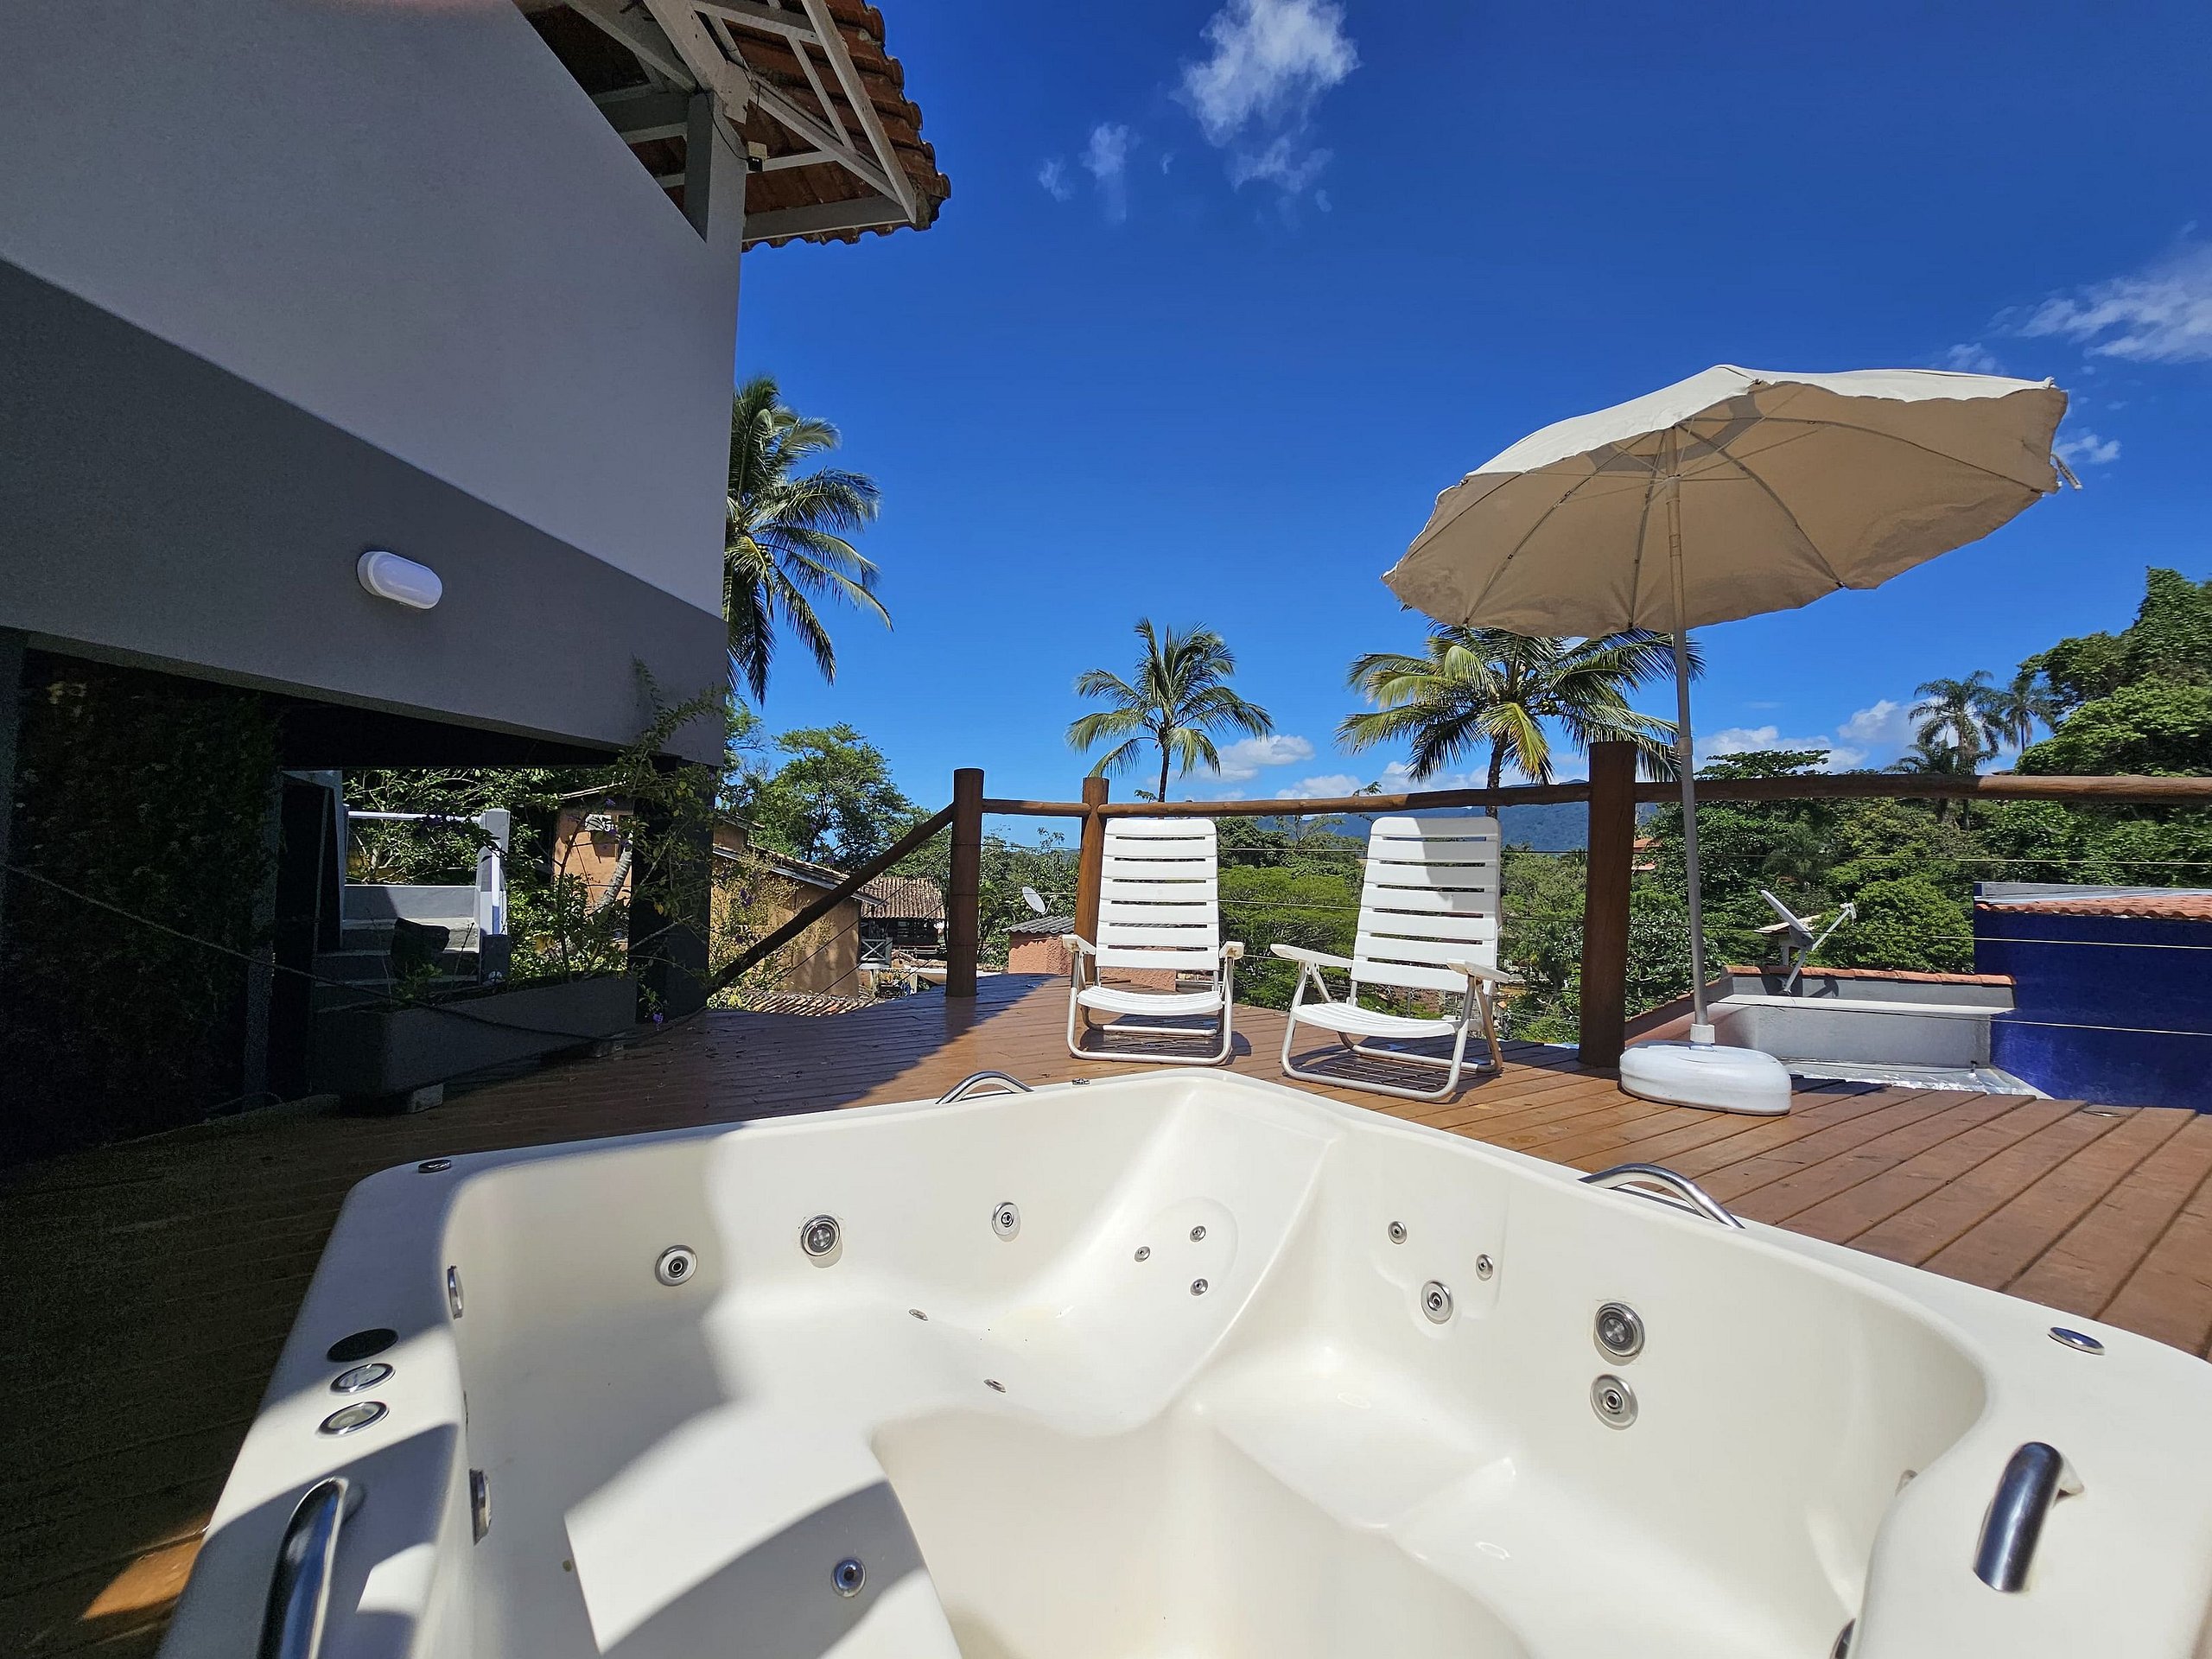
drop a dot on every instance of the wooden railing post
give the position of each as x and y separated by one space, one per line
964 902
1091 859
1606 901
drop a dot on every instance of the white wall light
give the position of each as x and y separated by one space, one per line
401 581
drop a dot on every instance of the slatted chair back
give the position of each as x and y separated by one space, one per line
1158 896
1433 895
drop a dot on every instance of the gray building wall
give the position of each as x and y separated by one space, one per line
280 283
157 509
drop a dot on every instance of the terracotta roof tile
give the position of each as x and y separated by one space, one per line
903 898
2145 907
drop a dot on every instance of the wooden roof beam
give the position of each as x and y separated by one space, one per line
867 213
833 47
636 31
751 15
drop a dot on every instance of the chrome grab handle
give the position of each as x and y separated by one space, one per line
2035 1477
299 1593
959 1090
1680 1190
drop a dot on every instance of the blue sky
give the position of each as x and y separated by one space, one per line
1226 294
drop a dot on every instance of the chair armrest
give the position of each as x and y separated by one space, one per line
1076 942
1311 958
1233 951
1495 976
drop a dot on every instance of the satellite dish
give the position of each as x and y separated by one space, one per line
1035 901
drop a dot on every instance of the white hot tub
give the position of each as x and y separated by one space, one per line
1174 1367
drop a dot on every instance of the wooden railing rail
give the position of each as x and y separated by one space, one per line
1038 808
1612 794
1914 786
1420 801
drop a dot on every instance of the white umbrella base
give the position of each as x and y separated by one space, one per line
1710 1075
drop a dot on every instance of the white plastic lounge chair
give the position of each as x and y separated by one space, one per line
1429 921
1158 909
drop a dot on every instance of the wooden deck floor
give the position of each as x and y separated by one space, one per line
148 1286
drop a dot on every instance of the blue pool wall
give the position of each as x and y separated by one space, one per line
2110 1008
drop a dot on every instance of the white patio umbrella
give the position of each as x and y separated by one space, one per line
1731 493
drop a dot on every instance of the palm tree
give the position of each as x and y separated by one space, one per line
1967 715
1477 686
2021 707
1180 697
784 546
1930 757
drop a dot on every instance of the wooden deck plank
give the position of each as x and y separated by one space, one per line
1919 1231
1997 1249
1725 1177
2083 1270
199 1244
2169 1295
1800 1189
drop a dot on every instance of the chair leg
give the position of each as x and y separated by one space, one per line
1228 1010
1489 1030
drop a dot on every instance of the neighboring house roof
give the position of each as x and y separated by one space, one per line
902 898
824 159
799 870
1055 925
2140 904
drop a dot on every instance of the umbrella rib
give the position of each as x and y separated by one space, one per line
1803 535
1924 449
1542 519
1643 525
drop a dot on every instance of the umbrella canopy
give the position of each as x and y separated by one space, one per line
1792 485
1731 493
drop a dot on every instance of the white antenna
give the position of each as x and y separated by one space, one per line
1798 942
1035 901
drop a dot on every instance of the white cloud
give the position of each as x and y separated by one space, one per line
1969 358
1885 724
1328 786
1746 740
1270 61
2086 449
1281 163
1242 761
1871 736
1106 158
2161 314
1053 175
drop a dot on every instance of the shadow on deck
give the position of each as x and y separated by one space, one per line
149 1286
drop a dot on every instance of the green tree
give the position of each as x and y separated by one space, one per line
2020 707
785 545
1906 923
2156 726
1965 716
831 800
2170 639
1304 903
1180 697
1474 688
1930 757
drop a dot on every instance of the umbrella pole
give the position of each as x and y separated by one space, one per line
1700 1025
